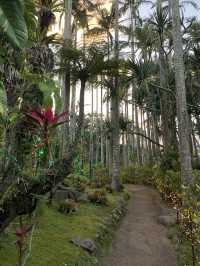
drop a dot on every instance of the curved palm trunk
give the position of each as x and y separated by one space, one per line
184 147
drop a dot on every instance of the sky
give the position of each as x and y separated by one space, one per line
188 10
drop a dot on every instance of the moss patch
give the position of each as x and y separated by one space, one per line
51 240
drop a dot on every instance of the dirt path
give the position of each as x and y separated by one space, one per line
140 240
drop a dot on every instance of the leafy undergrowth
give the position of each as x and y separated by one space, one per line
182 246
51 240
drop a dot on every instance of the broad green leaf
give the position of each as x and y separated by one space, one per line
12 22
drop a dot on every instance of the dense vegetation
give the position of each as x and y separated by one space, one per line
142 77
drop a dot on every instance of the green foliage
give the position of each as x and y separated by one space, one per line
126 195
98 196
13 23
187 202
170 160
107 226
77 168
137 174
168 183
101 177
78 181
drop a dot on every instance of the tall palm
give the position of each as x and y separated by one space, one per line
115 110
161 22
185 154
66 76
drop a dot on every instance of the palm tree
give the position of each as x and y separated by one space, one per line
161 22
84 65
115 185
66 78
185 154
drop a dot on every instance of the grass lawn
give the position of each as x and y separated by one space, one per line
51 240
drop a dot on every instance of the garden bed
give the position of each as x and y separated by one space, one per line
51 239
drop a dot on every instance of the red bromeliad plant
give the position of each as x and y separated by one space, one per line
21 234
46 119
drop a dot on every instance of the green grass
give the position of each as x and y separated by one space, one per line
51 240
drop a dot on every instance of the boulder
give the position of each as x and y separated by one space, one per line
168 211
167 220
63 193
83 197
86 244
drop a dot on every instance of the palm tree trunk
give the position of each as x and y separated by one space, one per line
133 85
66 79
73 97
127 135
82 104
184 147
97 128
102 136
137 137
92 134
115 112
167 110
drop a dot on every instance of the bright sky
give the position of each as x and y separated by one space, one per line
188 9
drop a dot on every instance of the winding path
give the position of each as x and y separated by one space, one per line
140 240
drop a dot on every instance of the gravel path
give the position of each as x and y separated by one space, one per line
140 240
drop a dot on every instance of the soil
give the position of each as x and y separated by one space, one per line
141 240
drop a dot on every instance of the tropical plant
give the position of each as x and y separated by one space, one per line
46 120
12 22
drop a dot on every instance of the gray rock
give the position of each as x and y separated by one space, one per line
86 244
83 198
168 211
167 220
63 193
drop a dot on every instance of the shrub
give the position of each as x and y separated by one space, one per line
67 206
78 181
168 183
98 196
170 160
126 195
128 176
108 188
101 177
144 174
67 182
136 174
